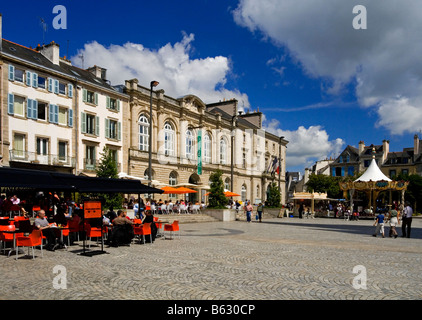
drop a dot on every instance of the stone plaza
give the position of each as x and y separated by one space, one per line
278 259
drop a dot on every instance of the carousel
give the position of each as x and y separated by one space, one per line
373 182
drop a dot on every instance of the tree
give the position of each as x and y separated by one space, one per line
217 199
324 183
273 198
107 168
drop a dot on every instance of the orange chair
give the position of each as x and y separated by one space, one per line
137 221
33 240
172 228
93 232
159 226
73 227
6 237
143 231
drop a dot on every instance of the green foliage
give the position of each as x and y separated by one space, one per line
217 198
324 183
107 168
274 199
413 193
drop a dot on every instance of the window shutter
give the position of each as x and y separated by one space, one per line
107 128
96 98
119 131
35 80
118 105
51 113
83 122
28 78
70 120
11 73
108 102
56 86
29 109
56 114
50 84
10 103
342 171
35 109
70 90
333 171
97 125
84 95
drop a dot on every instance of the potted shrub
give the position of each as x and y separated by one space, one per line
217 201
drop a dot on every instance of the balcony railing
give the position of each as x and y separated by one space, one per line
42 159
92 164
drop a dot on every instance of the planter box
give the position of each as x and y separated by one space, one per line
222 214
276 212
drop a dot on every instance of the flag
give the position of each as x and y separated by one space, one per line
274 164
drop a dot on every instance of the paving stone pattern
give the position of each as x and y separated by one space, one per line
278 259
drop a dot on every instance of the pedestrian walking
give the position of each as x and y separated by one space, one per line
248 209
379 223
393 217
406 226
259 211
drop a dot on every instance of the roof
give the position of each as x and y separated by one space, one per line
46 180
373 173
33 56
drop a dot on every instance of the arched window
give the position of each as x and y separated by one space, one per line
143 125
189 144
223 151
227 184
243 193
173 178
168 139
207 148
146 174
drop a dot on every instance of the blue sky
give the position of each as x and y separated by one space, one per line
319 82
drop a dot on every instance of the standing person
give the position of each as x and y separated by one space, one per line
301 208
248 209
260 210
379 223
393 217
149 218
406 226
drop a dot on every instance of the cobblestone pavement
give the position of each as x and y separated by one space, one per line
278 259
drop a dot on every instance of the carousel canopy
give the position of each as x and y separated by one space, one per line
373 173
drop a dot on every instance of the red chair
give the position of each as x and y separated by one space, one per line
73 227
172 228
33 240
159 226
137 221
143 231
93 232
6 237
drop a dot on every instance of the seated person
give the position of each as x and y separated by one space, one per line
42 224
149 218
122 233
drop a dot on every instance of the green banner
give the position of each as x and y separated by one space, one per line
199 152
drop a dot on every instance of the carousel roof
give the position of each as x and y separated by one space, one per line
373 173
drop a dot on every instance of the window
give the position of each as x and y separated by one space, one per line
90 124
143 125
19 145
393 173
168 139
41 82
41 113
227 184
223 151
350 171
405 172
189 144
18 106
90 96
18 75
113 104
62 116
42 146
172 182
90 158
62 88
207 148
113 129
243 193
63 151
244 160
366 163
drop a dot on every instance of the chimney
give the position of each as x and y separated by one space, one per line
385 149
98 72
51 51
416 145
361 147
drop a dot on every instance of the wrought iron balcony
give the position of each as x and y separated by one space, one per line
42 159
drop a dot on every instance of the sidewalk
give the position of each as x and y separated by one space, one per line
278 259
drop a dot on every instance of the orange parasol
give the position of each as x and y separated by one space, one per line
182 190
227 194
169 190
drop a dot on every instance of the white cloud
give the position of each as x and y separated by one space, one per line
384 59
171 65
306 145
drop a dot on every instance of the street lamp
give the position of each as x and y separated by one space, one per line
279 164
233 126
153 84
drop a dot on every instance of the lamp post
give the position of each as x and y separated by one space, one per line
234 121
279 164
152 85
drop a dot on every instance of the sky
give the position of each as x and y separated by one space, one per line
324 74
